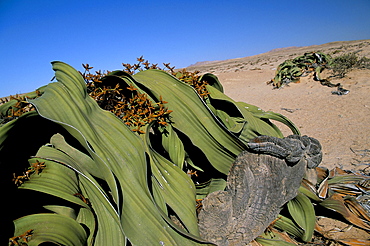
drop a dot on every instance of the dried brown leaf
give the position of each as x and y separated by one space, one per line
355 207
355 242
322 172
337 204
323 189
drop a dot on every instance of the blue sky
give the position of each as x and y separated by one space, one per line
107 33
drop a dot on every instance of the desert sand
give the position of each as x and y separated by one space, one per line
340 123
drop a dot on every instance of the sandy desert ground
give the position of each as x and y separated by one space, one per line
340 123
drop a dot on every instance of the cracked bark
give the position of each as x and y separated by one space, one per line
257 186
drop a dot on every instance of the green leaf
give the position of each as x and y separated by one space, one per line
303 213
62 210
257 125
106 138
280 118
345 178
255 121
87 217
62 178
84 217
212 185
318 71
239 120
56 180
106 177
309 193
54 228
174 146
175 187
212 80
288 225
7 109
192 117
